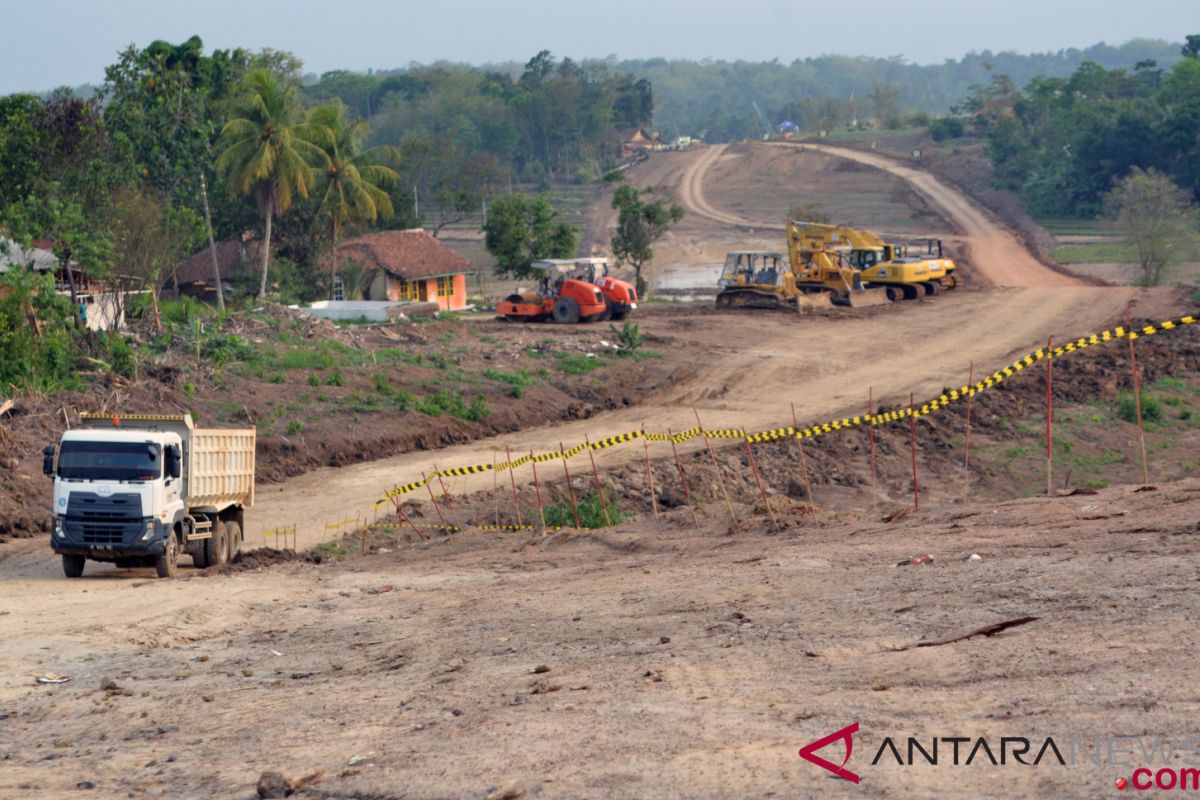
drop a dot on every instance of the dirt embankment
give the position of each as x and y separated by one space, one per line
323 396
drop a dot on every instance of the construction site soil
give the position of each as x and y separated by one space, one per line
690 652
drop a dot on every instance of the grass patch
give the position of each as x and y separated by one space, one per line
1096 252
1152 408
591 512
518 380
453 403
572 364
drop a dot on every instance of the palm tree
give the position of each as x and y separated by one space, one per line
351 177
266 153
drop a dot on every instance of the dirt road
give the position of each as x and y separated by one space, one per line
997 256
757 365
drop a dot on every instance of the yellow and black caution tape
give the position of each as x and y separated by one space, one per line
776 434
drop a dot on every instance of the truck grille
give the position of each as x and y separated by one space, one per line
92 519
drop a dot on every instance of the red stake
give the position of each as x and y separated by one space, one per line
758 480
446 496
433 500
599 485
496 488
871 431
913 439
512 475
687 497
649 472
570 489
400 515
803 460
1049 418
1137 393
967 439
538 487
717 467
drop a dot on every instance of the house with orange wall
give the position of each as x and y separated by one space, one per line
401 265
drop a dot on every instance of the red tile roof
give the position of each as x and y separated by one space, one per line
198 268
405 254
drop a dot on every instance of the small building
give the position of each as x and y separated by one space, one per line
637 142
101 306
237 259
401 265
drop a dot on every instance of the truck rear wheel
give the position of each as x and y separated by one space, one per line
215 548
73 565
167 564
233 533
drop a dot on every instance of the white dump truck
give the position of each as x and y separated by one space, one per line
139 489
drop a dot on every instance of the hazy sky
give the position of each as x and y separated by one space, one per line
50 43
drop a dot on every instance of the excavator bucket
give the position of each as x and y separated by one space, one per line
867 297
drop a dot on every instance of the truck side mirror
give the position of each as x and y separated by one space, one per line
48 459
174 461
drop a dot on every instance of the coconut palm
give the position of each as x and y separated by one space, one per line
351 176
266 152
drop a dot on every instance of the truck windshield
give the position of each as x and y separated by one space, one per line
110 461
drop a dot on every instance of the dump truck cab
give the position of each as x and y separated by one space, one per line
140 490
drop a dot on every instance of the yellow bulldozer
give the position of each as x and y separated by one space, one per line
829 264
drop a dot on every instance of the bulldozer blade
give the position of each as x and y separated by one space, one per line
812 301
868 297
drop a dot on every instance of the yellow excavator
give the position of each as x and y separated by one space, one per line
829 264
897 269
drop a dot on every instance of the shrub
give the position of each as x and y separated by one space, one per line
944 128
295 428
1152 410
336 378
629 338
591 511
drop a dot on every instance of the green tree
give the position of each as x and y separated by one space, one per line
353 178
641 223
264 152
1191 47
1158 217
521 229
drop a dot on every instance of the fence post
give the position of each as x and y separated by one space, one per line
570 488
1137 393
967 437
538 488
687 495
1049 419
512 476
803 461
717 467
761 489
912 418
599 483
649 473
433 500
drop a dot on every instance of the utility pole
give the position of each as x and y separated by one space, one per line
212 247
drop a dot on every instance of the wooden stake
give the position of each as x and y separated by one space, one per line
649 473
449 500
871 431
403 518
433 500
967 437
761 489
496 488
538 488
570 488
687 496
913 439
803 461
1137 393
1049 418
513 478
599 485
720 476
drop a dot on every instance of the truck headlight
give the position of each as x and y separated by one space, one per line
150 529
58 528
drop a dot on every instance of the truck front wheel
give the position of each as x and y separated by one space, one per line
166 565
73 565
